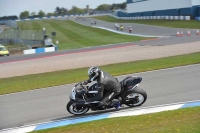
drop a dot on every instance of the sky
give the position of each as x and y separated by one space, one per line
15 7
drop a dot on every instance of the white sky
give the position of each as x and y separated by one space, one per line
15 7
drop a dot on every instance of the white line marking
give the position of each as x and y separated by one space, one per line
156 106
145 111
19 130
124 33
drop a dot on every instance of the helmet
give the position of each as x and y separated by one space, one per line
93 73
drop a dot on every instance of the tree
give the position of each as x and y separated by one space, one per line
75 10
24 14
64 11
123 5
50 14
103 7
33 14
41 13
113 6
58 11
118 6
85 10
9 18
15 17
61 11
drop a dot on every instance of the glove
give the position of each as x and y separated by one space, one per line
85 82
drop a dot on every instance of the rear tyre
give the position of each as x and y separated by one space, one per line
76 110
135 97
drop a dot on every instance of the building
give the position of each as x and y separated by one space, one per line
161 8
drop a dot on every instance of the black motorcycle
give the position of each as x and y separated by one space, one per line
131 95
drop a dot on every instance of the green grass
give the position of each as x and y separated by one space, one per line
192 24
30 82
177 121
8 29
72 35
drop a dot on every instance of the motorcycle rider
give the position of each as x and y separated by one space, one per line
105 82
121 27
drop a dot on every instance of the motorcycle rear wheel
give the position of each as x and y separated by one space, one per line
76 110
135 97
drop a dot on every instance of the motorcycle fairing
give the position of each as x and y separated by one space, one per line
130 83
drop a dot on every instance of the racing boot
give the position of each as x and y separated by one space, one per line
116 102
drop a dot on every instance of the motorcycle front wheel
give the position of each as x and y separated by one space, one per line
76 110
135 97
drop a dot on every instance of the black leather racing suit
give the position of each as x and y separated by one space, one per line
105 82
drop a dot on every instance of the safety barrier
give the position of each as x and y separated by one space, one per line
40 50
197 18
153 17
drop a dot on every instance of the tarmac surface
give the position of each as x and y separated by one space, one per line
97 57
141 29
163 87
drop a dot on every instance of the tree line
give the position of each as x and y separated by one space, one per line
64 11
8 18
104 7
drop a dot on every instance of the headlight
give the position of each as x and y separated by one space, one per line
73 93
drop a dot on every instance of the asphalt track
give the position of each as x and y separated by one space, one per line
142 29
163 87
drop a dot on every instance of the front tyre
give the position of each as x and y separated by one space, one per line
135 97
76 110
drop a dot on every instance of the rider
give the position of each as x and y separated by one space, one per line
104 82
121 27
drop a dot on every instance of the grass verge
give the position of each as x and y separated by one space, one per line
192 24
72 35
177 121
36 81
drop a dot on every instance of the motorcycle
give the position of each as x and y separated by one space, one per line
130 95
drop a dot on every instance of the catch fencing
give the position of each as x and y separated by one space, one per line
25 37
9 23
12 24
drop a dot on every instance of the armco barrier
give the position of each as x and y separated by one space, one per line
40 50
